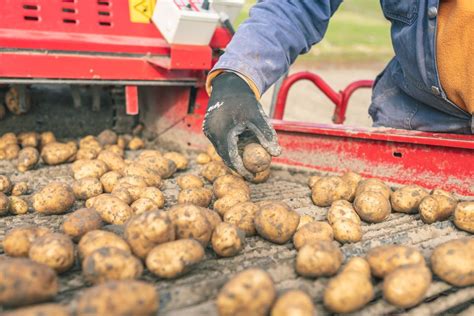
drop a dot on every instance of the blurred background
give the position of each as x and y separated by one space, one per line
357 46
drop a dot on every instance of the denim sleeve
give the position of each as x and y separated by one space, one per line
276 32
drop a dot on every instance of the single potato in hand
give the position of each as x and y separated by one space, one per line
256 158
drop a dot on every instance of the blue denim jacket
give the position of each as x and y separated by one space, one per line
406 95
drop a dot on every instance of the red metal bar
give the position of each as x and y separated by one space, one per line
131 100
340 99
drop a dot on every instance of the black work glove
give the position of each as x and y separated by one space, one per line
234 118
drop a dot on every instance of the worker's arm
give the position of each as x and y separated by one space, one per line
261 51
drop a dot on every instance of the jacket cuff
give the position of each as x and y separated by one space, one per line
214 73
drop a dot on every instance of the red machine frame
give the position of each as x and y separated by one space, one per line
94 42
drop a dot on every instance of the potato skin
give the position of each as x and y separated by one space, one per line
12 151
109 180
250 292
453 262
86 188
276 222
109 263
347 231
155 161
40 310
119 298
96 239
19 188
78 223
359 265
153 194
18 241
293 302
319 258
113 161
143 232
26 282
86 154
4 204
203 158
136 143
435 208
143 205
112 210
242 215
190 222
310 232
18 206
5 184
174 258
353 180
57 153
212 217
56 250
330 189
304 219
226 202
464 216
89 168
213 170
261 177
151 177
372 207
312 181
373 185
406 286
55 198
107 137
384 259
27 159
197 196
179 159
342 209
189 181
407 199
227 240
227 184
256 158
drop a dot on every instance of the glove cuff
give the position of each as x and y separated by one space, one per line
213 74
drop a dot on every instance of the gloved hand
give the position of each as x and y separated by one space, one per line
234 118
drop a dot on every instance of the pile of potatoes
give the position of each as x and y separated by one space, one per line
11 200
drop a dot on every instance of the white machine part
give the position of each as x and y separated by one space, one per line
231 8
185 21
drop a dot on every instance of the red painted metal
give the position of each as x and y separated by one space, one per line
340 99
185 57
131 100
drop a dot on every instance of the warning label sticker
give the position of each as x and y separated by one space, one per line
141 11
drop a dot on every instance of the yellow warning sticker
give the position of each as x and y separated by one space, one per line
141 10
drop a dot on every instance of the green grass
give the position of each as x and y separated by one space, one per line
358 32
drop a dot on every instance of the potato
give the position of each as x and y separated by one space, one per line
256 158
261 176
407 199
406 286
155 195
46 138
250 292
40 310
226 202
57 153
342 209
227 240
27 159
330 189
11 151
122 193
26 282
203 158
197 196
143 232
435 208
464 216
384 259
143 205
20 188
112 210
312 181
113 161
18 241
212 217
18 206
54 198
120 298
438 191
359 265
5 184
348 292
347 231
122 141
373 185
304 219
213 170
179 160
276 222
109 263
211 151
89 168
115 149
242 215
86 188
86 154
190 222
174 258
107 137
372 206
453 261
96 239
312 232
294 302
55 250
227 184
79 222
155 161
353 179
133 181
136 143
7 139
90 142
189 181
318 258
28 139
4 204
151 177
109 180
